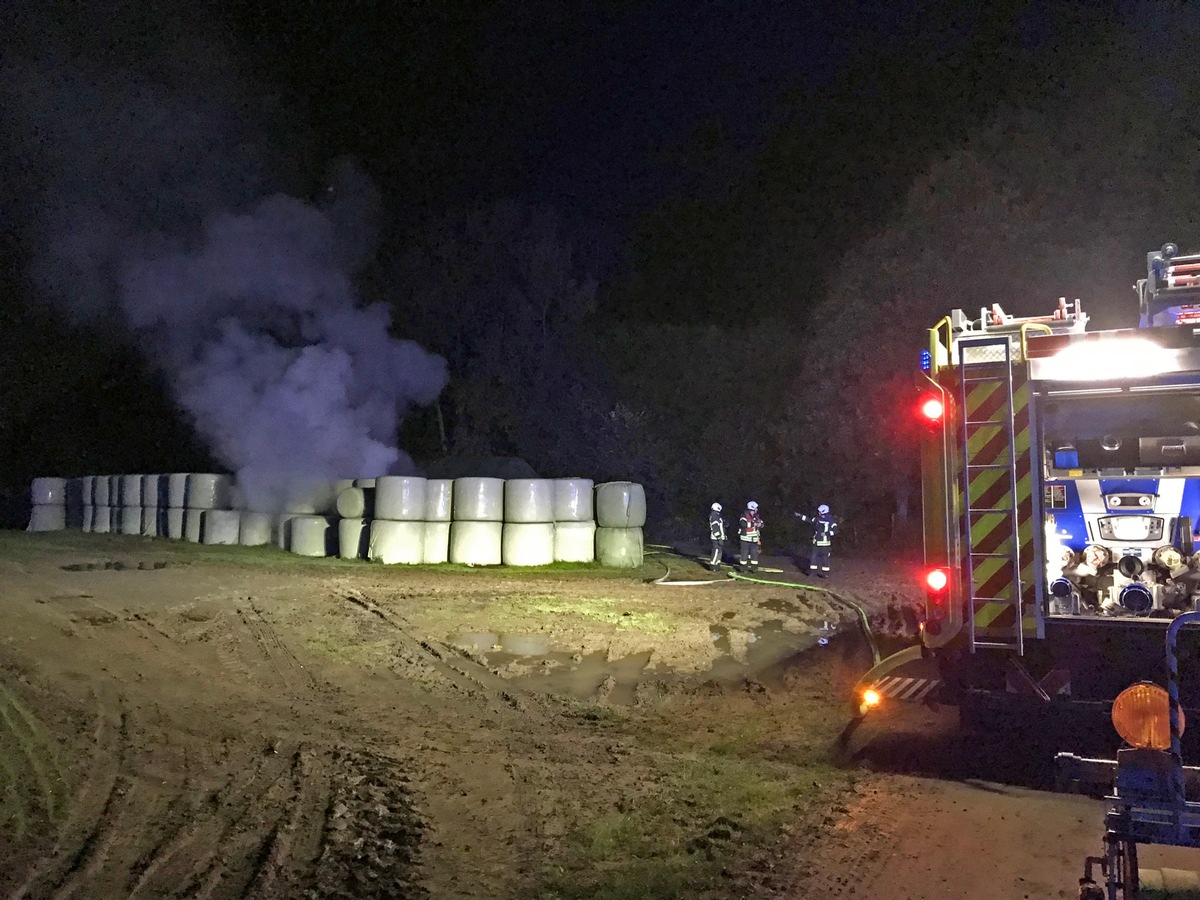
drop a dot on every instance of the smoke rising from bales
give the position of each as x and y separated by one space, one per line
153 202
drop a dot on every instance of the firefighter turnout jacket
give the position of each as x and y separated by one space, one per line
716 525
750 526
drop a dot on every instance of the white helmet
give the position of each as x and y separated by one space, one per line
751 505
823 509
717 507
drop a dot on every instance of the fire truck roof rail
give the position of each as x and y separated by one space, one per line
996 321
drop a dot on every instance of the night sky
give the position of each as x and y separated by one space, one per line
625 187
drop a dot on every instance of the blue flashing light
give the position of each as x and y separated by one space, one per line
926 361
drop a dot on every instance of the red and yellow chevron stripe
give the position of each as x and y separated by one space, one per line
991 495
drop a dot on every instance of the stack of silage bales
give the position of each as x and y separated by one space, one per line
574 522
49 496
87 490
176 504
101 509
129 504
439 513
204 494
153 505
356 506
528 535
397 531
306 526
477 529
621 515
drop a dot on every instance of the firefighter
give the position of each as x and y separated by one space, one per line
823 530
716 533
750 527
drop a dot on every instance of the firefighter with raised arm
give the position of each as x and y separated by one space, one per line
716 534
750 527
823 530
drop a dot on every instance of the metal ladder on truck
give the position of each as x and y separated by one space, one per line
990 500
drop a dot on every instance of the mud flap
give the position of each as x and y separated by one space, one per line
905 676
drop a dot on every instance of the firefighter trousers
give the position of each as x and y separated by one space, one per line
749 554
718 550
818 560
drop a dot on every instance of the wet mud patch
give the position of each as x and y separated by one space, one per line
114 565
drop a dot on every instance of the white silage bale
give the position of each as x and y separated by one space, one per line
47 517
476 543
529 500
254 529
396 542
364 482
436 548
478 500
620 548
100 490
88 518
101 519
193 525
177 490
439 496
574 542
152 486
150 526
620 504
208 491
131 520
88 489
353 538
573 500
400 498
527 544
356 503
48 492
131 492
281 530
175 523
220 526
311 536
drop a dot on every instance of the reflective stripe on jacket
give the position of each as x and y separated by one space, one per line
749 526
716 526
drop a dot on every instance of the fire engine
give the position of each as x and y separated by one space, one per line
1061 487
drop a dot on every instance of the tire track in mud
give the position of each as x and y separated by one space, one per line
87 823
297 679
29 741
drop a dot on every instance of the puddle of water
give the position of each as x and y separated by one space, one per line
478 641
780 605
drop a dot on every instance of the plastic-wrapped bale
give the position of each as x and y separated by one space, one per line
48 492
131 520
436 548
400 498
47 517
353 537
311 536
254 530
150 522
619 548
206 491
364 482
100 490
575 542
573 500
281 530
177 490
356 503
620 504
476 543
396 542
101 519
193 525
88 518
114 496
527 544
477 500
175 523
220 526
154 490
439 497
88 489
131 490
529 500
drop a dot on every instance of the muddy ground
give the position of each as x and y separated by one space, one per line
183 721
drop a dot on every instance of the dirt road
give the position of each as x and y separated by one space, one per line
181 721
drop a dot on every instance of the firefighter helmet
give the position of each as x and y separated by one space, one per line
717 507
751 505
823 509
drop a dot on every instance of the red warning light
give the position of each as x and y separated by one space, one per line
937 579
932 409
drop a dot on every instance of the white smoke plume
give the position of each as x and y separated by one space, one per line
156 204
